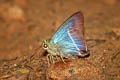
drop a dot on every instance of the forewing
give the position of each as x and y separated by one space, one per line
70 36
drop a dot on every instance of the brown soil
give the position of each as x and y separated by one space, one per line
24 24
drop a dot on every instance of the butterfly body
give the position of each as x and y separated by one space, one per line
68 42
55 50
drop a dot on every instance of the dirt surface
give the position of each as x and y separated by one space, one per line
24 24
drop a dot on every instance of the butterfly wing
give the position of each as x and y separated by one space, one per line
70 36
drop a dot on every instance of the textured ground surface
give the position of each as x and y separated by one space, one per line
25 23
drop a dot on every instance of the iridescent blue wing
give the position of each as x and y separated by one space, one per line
70 36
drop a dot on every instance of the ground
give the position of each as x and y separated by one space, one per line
24 24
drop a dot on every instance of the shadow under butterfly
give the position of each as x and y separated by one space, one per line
68 41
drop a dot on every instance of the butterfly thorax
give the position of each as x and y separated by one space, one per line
50 47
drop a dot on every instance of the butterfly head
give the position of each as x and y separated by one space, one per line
45 44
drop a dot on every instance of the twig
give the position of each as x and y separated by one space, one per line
5 76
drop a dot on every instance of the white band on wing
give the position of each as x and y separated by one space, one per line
73 41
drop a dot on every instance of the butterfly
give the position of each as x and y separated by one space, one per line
68 41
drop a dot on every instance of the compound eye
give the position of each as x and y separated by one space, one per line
45 46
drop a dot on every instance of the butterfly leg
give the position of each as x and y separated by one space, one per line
48 59
56 57
62 58
52 59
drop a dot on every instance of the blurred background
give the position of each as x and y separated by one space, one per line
25 23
